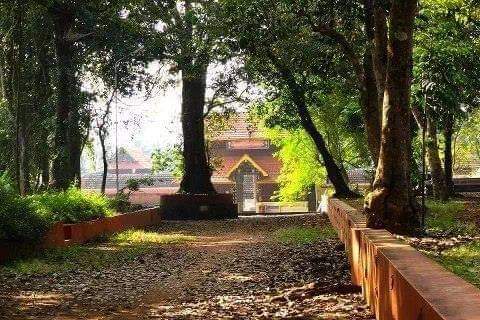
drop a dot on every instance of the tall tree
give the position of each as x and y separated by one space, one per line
428 123
366 50
277 52
391 204
66 166
197 172
89 37
19 104
189 45
446 69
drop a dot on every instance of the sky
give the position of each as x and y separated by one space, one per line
147 124
156 120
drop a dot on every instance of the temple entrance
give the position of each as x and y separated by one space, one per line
249 194
246 177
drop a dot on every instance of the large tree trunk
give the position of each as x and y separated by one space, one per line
372 79
448 159
3 94
196 177
20 106
67 134
438 177
370 108
43 87
380 55
391 204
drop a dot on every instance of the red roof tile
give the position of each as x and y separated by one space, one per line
266 161
239 128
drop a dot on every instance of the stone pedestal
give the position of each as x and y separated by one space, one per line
197 207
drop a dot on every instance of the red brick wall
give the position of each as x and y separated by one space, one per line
399 282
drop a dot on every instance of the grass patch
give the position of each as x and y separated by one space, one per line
464 261
304 235
119 248
444 217
143 237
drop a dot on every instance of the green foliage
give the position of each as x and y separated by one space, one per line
446 50
467 144
336 115
117 249
464 261
26 219
304 235
443 217
300 165
168 160
21 219
121 201
73 205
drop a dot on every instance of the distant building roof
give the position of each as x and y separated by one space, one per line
131 158
239 128
160 180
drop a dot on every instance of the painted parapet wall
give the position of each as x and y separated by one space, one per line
399 282
61 235
83 232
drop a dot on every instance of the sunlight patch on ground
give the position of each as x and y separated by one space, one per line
120 248
237 277
35 299
304 235
464 261
149 237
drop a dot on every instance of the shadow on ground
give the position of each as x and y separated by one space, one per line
251 268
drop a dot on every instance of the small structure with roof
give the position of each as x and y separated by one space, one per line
244 164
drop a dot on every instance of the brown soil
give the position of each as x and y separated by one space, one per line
235 270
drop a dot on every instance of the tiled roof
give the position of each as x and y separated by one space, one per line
94 180
266 161
131 158
239 128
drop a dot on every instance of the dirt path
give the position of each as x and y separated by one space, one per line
234 270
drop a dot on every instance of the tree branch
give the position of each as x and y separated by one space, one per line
344 45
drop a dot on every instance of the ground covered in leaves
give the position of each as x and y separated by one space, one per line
253 268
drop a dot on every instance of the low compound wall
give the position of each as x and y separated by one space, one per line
61 235
82 232
398 281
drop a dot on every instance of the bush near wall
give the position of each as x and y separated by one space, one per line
27 219
73 205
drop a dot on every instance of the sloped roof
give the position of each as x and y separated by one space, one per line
239 128
247 158
268 164
131 158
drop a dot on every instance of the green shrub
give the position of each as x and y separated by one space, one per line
26 219
73 205
121 202
21 219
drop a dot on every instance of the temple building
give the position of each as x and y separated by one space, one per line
244 165
243 161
